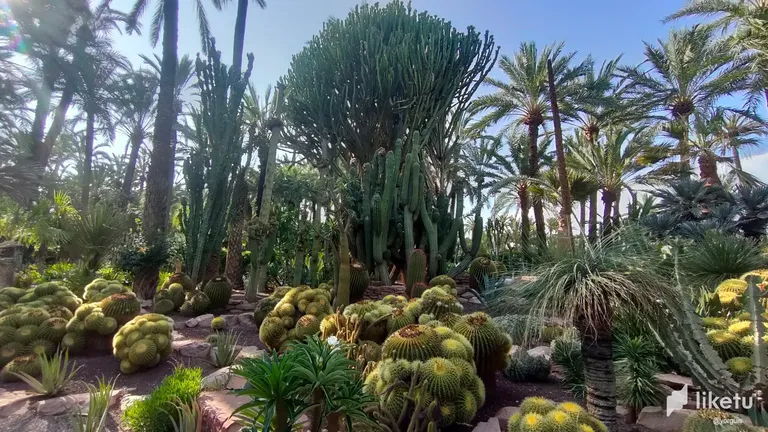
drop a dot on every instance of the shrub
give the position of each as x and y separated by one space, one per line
526 368
158 412
566 353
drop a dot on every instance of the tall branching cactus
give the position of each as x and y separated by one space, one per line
213 163
260 228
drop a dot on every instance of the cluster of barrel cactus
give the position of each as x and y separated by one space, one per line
442 362
180 278
28 331
540 414
99 289
94 324
44 294
296 315
168 299
143 342
491 344
197 303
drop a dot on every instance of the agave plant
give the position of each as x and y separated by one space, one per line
225 350
98 407
190 417
56 372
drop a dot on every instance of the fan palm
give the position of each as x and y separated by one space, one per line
685 75
748 20
97 233
619 273
739 131
525 97
688 200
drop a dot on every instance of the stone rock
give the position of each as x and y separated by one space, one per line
250 352
15 402
179 325
205 320
231 320
63 404
246 306
504 414
146 304
675 382
467 295
655 419
195 349
492 425
513 350
475 300
541 351
217 408
246 319
218 379
128 400
192 322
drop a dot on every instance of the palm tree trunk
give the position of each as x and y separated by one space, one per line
57 125
233 268
88 162
564 228
160 172
597 351
533 168
684 149
582 216
593 217
541 223
736 158
237 54
130 169
708 169
608 198
525 221
617 211
43 104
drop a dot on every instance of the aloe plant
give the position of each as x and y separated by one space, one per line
56 372
99 399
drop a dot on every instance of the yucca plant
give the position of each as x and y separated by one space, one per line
98 407
190 417
56 372
636 374
225 350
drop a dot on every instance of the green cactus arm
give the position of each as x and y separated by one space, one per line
410 244
416 185
342 288
469 252
449 239
314 259
389 190
405 196
751 301
431 230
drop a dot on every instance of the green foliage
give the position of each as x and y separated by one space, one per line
225 351
480 269
56 372
97 233
99 399
719 256
190 417
157 413
526 368
636 369
566 353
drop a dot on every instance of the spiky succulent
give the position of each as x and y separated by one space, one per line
25 363
218 323
74 342
163 306
709 420
197 304
306 326
123 307
479 269
714 323
398 319
740 367
490 343
442 280
180 278
726 344
523 367
263 308
358 280
219 291
272 332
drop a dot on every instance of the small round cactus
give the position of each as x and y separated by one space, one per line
218 323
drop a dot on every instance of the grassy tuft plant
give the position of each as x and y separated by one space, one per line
56 372
98 407
190 417
157 412
225 350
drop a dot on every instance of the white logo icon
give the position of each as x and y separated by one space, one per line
677 400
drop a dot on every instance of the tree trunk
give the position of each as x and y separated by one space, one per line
314 259
88 163
160 172
42 106
57 125
597 351
533 172
541 223
608 198
342 287
593 217
145 283
708 169
298 262
525 221
736 158
212 268
582 216
237 54
233 267
130 169
685 150
564 229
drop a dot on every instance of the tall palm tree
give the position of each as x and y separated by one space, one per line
134 97
239 38
684 75
739 131
615 162
747 22
525 98
511 181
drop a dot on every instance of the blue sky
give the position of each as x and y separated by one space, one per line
602 28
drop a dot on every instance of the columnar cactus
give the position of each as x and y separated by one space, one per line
417 270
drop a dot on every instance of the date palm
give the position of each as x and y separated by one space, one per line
239 38
747 22
134 98
684 75
739 131
524 97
